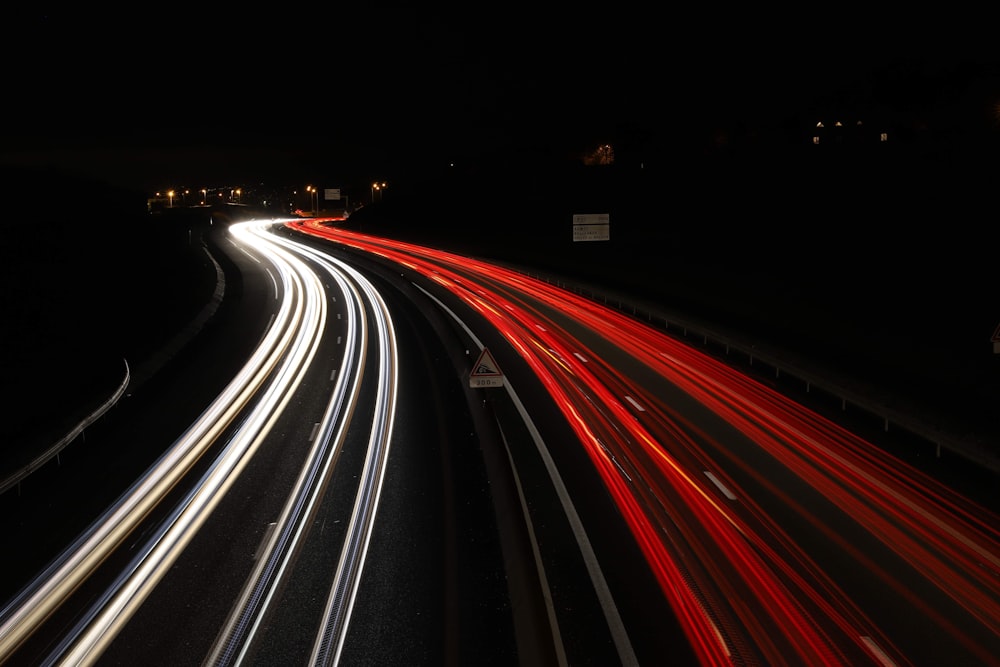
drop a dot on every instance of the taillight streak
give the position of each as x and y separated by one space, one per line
920 520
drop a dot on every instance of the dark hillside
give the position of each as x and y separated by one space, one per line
91 281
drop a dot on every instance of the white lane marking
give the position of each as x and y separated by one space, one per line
879 653
264 540
722 487
274 281
635 404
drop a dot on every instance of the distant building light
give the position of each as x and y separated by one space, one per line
815 140
819 124
838 124
883 137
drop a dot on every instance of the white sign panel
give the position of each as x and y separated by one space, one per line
591 226
331 193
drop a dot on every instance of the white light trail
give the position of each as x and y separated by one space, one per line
254 400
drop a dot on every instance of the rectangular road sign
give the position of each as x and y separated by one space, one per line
482 382
591 226
331 193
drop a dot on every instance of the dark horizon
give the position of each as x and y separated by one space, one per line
356 94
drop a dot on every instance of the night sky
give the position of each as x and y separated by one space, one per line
193 96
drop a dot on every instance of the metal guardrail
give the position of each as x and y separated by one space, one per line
56 448
781 363
142 373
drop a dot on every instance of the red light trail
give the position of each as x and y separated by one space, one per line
744 589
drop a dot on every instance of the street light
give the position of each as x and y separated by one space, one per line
170 198
204 196
313 197
377 187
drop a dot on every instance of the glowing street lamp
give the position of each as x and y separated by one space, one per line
170 198
204 196
313 199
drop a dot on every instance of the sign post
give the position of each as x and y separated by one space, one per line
485 372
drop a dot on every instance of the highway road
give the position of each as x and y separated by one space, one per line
321 481
253 472
776 535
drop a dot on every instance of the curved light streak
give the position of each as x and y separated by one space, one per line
252 403
743 589
258 594
259 590
48 591
340 603
290 359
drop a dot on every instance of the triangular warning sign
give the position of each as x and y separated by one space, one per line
485 372
486 364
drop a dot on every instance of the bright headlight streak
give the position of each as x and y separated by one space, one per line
246 617
297 346
48 591
340 603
